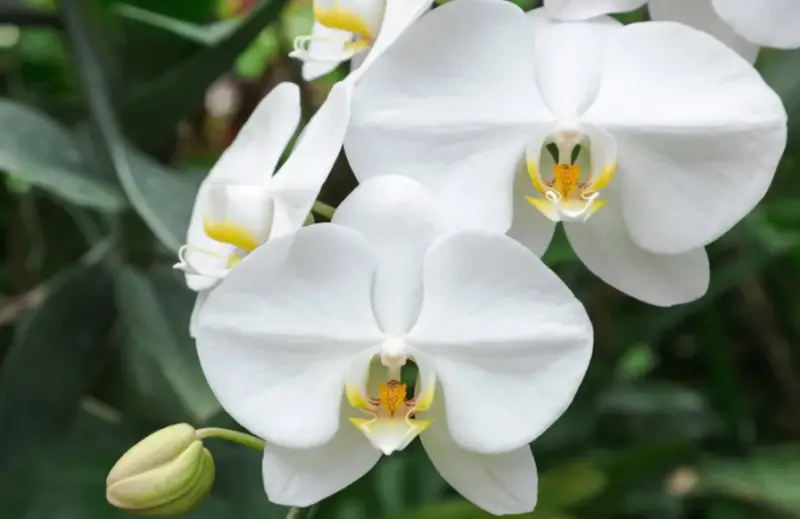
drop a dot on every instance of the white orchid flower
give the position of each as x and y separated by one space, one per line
744 25
307 341
356 30
683 136
241 204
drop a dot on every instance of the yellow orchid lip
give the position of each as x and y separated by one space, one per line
391 425
566 197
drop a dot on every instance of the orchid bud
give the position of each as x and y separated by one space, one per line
167 473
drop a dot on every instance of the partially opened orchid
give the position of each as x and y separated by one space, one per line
241 204
356 30
677 137
308 343
744 25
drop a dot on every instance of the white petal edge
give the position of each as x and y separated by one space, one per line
279 334
699 159
503 334
604 246
575 10
459 130
258 146
297 184
399 218
771 23
701 14
501 484
199 301
304 477
398 16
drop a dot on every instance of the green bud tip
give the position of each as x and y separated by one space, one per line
167 473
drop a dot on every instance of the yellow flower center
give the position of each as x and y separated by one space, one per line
391 423
392 396
565 196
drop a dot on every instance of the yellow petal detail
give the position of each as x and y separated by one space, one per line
605 177
232 233
340 18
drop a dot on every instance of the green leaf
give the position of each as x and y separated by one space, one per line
53 359
567 485
570 484
253 62
155 307
769 477
162 197
39 150
151 115
781 71
207 35
69 479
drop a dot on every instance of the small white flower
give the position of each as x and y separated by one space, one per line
356 30
744 25
679 137
307 341
241 204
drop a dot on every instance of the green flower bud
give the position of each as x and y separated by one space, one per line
167 473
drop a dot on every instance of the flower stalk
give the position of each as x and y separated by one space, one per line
233 436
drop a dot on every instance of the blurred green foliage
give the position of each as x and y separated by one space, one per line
109 122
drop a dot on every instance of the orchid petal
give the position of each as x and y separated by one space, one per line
604 246
574 10
292 477
504 335
529 226
771 23
399 15
568 57
277 336
459 130
700 134
700 14
199 301
251 158
399 218
297 184
499 483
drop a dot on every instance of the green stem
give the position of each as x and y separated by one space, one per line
300 513
233 436
323 209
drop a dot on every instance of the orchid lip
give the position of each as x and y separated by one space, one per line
361 21
391 422
566 197
303 49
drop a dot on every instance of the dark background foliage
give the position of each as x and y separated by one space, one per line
112 112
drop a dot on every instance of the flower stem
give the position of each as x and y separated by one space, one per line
323 209
300 513
233 436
